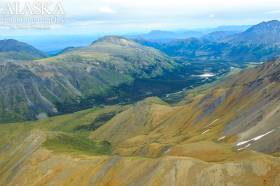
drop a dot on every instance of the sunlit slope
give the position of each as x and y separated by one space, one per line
224 135
46 168
66 134
54 152
76 79
242 111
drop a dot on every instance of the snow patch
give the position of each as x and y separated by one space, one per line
206 75
248 145
213 122
263 135
221 138
255 138
205 131
242 142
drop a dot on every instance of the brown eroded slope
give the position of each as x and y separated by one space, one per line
242 111
214 137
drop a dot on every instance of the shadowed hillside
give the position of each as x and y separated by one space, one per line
76 79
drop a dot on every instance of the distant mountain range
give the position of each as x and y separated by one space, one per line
218 35
165 36
229 28
158 35
53 44
258 43
265 33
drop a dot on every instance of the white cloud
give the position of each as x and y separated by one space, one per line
106 10
171 9
211 16
273 12
135 15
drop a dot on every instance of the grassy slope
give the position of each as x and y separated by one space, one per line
151 138
56 151
76 80
76 144
67 133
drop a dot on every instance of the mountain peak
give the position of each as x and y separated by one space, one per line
10 40
271 22
264 33
116 40
19 49
266 25
11 44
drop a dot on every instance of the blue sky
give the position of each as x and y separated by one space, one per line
131 16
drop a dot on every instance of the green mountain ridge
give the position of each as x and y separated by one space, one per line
34 89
